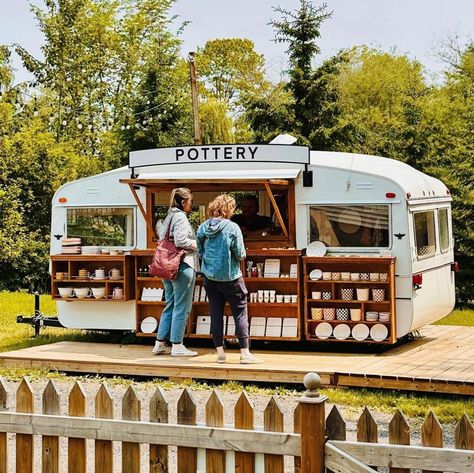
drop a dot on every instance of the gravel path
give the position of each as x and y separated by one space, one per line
146 390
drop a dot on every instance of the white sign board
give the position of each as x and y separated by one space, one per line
243 153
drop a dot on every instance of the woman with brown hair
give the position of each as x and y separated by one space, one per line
221 247
179 291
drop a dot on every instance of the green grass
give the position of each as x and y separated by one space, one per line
458 317
15 336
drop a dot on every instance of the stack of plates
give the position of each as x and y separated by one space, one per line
371 316
71 246
384 316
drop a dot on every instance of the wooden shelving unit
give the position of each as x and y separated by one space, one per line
71 264
255 309
349 265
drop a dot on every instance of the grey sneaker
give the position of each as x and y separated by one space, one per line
221 358
249 360
181 350
161 349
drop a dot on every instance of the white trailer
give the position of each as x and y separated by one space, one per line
356 204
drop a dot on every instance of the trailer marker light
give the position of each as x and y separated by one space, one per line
390 195
455 267
62 200
417 280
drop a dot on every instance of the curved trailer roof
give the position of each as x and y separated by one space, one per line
413 182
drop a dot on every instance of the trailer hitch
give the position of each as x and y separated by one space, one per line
38 320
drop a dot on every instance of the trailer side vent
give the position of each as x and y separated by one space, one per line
364 185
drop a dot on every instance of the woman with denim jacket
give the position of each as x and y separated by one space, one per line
179 291
221 248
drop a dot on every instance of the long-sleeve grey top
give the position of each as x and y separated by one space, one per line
182 235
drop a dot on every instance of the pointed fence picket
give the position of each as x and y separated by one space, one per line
318 443
158 413
77 455
215 459
104 409
50 446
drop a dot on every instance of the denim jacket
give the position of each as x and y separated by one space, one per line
220 245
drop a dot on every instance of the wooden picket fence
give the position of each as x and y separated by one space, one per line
316 445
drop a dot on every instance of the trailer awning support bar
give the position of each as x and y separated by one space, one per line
277 210
142 210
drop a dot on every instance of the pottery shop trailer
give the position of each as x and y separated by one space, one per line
380 221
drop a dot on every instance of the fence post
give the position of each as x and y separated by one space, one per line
312 425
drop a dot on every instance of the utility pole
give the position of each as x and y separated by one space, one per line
195 98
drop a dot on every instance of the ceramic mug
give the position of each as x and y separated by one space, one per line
279 298
114 273
82 292
98 274
117 293
98 292
316 313
59 276
83 273
316 295
65 292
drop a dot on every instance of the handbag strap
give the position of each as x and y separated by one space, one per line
168 230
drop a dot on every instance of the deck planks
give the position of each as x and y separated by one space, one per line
441 361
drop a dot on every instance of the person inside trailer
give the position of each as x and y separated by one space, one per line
250 221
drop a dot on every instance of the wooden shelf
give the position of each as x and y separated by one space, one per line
81 257
148 278
87 299
271 279
342 301
332 339
348 322
330 281
89 281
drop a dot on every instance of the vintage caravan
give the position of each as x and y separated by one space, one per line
360 247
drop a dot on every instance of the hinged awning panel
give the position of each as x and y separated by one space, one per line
221 175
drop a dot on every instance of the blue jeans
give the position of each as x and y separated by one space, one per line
179 298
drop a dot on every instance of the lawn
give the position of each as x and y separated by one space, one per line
14 336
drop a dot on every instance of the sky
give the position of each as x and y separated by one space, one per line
414 27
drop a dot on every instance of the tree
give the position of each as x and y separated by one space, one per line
96 58
300 29
229 68
216 126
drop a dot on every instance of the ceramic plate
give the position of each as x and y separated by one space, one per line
323 330
360 332
379 332
315 274
316 248
342 331
149 325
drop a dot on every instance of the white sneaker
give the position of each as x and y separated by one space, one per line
181 350
161 348
249 360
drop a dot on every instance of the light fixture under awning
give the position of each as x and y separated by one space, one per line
219 176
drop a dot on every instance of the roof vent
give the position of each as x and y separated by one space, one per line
284 139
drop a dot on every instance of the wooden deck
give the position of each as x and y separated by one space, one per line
441 361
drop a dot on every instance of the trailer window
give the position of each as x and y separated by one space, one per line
350 226
425 233
101 226
443 230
